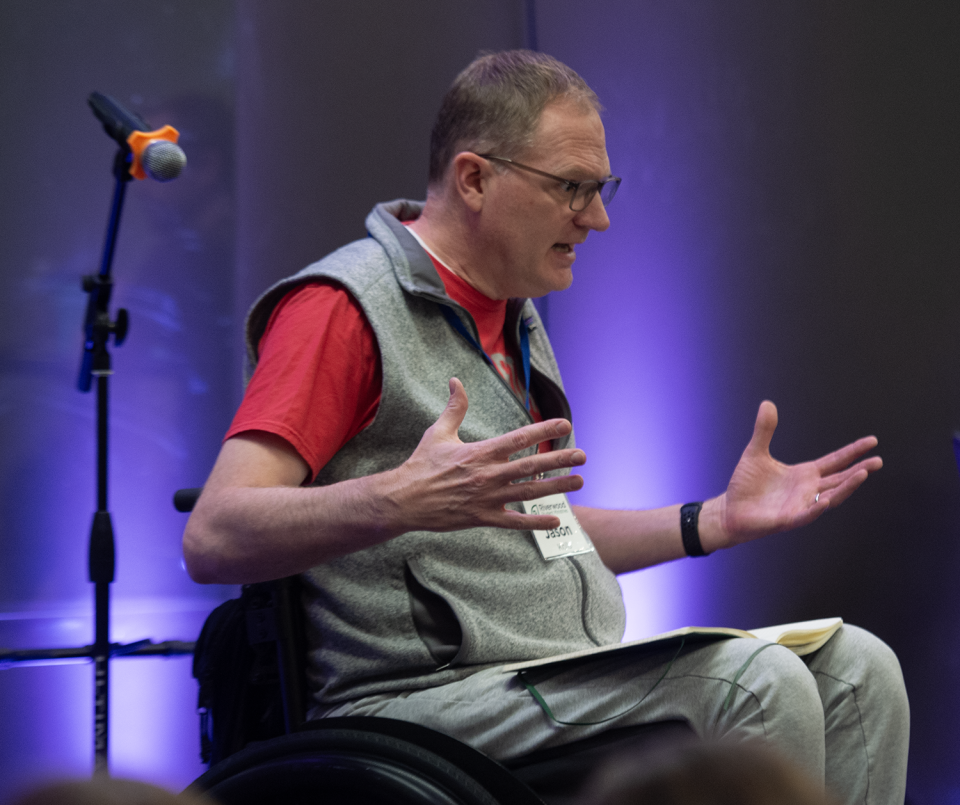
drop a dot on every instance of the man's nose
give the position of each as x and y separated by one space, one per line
594 215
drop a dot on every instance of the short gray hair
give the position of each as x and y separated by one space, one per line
494 105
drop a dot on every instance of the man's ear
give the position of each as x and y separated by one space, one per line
470 174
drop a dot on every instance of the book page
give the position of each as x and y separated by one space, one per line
654 642
802 637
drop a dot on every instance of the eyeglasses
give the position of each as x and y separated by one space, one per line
583 192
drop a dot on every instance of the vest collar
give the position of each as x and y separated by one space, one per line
414 269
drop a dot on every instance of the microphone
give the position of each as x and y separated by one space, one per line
154 153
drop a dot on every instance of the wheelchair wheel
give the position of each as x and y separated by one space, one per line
343 767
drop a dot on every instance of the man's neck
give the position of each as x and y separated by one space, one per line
442 237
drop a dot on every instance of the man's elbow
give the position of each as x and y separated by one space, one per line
203 559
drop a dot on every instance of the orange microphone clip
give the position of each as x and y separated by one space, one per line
138 142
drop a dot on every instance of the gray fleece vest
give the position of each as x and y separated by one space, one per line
429 608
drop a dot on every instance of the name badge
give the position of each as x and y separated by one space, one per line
568 538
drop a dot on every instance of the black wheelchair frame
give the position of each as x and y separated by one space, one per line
263 749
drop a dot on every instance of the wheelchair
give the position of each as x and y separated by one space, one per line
268 752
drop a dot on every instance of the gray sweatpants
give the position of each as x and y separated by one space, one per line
841 713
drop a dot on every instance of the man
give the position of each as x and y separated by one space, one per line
357 461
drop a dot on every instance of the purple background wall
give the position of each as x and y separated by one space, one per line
785 229
171 392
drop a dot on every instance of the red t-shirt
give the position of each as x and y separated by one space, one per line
319 353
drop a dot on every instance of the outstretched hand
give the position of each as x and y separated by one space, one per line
765 496
448 485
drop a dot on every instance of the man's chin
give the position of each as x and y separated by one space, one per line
549 281
561 280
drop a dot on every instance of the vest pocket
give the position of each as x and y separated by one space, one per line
433 617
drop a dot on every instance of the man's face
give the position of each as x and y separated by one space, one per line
530 232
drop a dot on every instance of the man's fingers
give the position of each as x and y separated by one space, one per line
831 482
842 458
835 496
526 522
868 465
542 462
531 490
764 427
811 513
502 447
451 418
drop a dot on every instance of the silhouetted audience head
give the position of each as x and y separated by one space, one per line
704 774
104 791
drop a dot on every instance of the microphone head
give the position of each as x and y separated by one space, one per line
163 160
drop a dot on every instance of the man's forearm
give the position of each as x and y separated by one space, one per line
632 540
247 534
256 521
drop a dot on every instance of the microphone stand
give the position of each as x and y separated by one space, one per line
98 327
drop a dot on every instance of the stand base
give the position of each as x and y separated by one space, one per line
141 648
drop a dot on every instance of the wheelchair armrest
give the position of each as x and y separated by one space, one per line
185 499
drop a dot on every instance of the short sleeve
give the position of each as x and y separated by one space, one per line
318 381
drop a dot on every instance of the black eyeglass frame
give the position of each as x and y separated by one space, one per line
569 184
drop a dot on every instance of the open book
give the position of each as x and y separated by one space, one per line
801 638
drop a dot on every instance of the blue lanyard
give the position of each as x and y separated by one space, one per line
459 326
